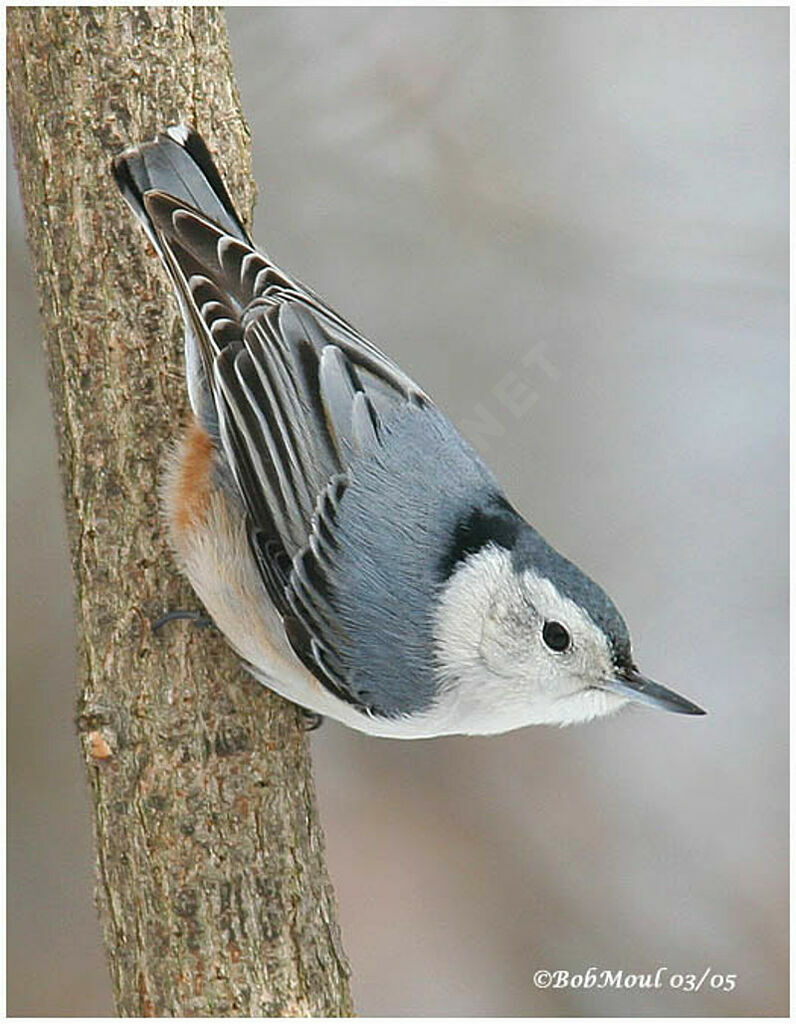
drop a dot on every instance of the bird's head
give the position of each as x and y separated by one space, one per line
524 637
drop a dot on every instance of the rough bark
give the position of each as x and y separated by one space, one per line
212 886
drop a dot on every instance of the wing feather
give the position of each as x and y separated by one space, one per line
299 395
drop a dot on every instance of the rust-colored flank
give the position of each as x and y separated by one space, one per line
193 483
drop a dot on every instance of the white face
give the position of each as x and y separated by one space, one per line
500 668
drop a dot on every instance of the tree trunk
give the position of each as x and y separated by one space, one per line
212 886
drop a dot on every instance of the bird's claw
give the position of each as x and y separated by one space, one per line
311 719
199 619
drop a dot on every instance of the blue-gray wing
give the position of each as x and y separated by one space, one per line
351 480
300 400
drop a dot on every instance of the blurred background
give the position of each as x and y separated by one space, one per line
570 225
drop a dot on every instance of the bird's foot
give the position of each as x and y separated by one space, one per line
311 719
199 619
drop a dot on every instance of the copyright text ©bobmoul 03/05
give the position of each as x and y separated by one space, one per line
660 978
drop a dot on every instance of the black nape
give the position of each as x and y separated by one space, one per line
493 522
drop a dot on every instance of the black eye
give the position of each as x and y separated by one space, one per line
555 636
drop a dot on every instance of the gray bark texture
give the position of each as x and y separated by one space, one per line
212 886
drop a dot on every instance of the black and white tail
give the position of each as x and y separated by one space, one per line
174 189
178 164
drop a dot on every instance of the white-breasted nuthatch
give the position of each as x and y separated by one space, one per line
353 548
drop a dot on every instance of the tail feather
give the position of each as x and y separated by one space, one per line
178 163
175 191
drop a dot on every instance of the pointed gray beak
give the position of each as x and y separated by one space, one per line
631 684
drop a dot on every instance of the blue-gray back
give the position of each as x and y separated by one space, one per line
396 522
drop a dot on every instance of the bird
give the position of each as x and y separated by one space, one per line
351 545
